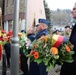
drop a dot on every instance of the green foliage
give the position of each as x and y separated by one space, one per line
43 46
23 41
48 14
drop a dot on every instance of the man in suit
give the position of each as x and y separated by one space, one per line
70 68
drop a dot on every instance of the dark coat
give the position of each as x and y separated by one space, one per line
70 68
7 48
36 69
23 62
39 34
31 37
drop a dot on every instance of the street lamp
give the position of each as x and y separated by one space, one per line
15 41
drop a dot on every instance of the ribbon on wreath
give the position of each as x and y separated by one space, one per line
57 40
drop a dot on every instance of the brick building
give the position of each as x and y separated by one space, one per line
30 11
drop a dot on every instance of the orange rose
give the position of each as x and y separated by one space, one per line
36 55
19 34
67 49
54 50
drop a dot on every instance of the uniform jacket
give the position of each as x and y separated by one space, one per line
40 33
7 48
31 37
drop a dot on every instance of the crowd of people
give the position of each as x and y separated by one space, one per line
66 32
42 30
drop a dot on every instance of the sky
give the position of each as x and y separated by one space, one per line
61 4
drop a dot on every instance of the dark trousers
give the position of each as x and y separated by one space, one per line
8 59
24 65
42 69
36 69
68 69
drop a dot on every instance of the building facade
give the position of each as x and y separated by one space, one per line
30 11
8 14
35 10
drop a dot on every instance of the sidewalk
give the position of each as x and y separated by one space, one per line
55 71
7 70
0 67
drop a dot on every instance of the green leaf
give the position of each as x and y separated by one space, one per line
49 67
72 52
38 61
56 56
46 59
46 63
61 62
53 61
69 61
27 55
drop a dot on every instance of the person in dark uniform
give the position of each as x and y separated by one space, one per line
70 68
41 28
30 34
7 48
23 63
23 60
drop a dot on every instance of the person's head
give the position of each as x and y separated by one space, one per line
23 31
30 31
58 32
43 24
67 28
74 11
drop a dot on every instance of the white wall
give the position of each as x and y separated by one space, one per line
35 8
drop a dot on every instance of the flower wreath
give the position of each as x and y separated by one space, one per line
49 50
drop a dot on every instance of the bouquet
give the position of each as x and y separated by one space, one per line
24 43
4 39
50 51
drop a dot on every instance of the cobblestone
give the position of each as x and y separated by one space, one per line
55 71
